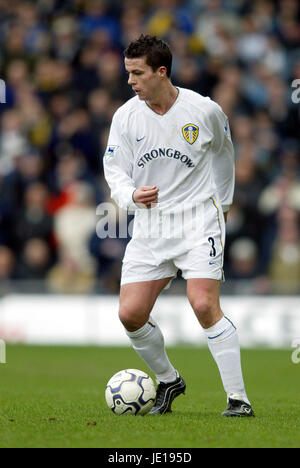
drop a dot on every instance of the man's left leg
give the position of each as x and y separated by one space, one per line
222 338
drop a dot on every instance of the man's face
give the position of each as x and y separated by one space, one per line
143 80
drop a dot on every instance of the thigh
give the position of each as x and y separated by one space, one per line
141 283
137 300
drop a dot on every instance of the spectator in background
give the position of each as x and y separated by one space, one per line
7 269
132 21
249 185
287 24
17 74
15 47
75 128
60 105
283 190
97 18
32 220
65 43
167 14
284 266
35 39
13 142
71 167
246 269
7 264
66 277
187 74
35 260
36 121
50 76
28 168
101 108
267 142
252 44
85 76
244 259
74 225
108 254
111 76
215 26
6 225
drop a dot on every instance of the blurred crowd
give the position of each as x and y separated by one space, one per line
62 62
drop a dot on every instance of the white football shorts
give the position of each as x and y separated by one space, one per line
198 253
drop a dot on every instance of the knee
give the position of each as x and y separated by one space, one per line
206 310
130 318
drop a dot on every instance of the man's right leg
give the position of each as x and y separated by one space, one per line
136 302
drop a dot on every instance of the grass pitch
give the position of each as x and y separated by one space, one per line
54 397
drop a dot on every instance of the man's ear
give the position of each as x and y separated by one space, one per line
162 71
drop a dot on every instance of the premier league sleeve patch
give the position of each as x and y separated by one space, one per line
190 133
227 130
110 150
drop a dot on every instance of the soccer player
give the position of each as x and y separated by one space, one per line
170 160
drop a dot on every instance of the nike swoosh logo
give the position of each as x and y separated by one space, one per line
212 263
140 139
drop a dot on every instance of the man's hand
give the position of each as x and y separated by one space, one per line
146 196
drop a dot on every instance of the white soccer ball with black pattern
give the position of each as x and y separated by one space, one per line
130 391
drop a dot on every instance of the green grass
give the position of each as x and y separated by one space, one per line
54 397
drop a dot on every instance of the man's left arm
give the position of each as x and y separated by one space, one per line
224 161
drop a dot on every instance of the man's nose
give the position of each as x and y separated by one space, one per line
131 80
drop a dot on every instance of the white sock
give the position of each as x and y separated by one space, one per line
224 345
148 342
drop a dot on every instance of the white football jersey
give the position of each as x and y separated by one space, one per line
187 152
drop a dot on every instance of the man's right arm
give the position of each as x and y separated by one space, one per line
118 164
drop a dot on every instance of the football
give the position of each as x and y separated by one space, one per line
130 391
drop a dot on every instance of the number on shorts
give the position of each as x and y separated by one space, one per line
213 249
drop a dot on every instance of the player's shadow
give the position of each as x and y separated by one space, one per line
193 414
202 414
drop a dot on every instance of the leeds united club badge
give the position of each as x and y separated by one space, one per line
190 133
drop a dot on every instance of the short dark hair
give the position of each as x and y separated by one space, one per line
156 51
